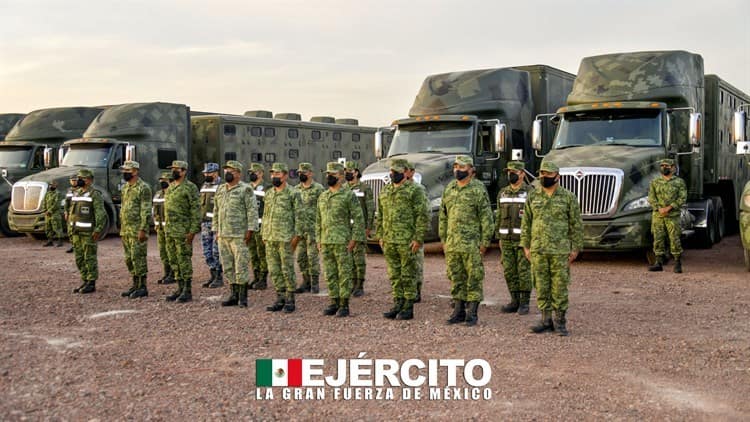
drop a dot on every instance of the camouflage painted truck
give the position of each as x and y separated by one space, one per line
32 146
486 114
7 121
743 149
625 113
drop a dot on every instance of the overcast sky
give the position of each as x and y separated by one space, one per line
361 59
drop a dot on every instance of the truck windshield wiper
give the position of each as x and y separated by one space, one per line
569 146
432 150
399 153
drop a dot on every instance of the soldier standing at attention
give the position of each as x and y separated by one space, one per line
183 222
234 222
465 229
339 225
419 274
159 225
210 245
68 197
367 202
551 237
401 224
281 233
85 224
516 268
307 251
53 217
135 213
257 247
667 194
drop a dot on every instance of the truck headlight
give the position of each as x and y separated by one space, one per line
435 203
637 204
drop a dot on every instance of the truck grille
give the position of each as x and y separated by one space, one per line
376 182
28 196
597 189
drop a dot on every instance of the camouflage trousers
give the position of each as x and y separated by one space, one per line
358 258
135 254
307 255
402 263
516 268
663 228
53 226
419 272
84 249
551 272
161 242
280 259
745 229
258 253
180 257
465 270
235 259
338 268
210 246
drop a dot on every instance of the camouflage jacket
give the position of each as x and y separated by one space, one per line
235 210
135 208
664 192
207 193
552 224
465 217
339 219
52 202
181 209
402 214
87 212
282 212
366 201
510 205
158 210
309 196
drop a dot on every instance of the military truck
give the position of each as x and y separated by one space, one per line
625 113
739 136
482 113
7 121
31 146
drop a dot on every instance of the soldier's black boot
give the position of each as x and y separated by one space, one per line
560 322
175 294
70 249
289 304
343 308
132 288
90 287
407 311
512 306
359 288
187 292
678 264
545 324
523 302
305 286
79 288
256 278
169 277
242 295
418 299
314 284
332 307
49 243
210 279
459 312
397 305
141 290
218 280
657 264
472 314
233 299
262 282
278 305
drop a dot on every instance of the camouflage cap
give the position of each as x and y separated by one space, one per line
352 165
334 167
305 167
280 167
234 165
53 183
666 162
255 167
410 165
549 166
464 160
85 173
515 165
399 165
73 177
211 167
130 165
177 164
165 175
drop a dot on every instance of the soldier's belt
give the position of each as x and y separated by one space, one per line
507 231
512 200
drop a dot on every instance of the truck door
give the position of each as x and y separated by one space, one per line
487 160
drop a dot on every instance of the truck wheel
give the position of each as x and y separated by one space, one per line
720 217
706 237
4 226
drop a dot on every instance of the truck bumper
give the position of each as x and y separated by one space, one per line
623 233
26 223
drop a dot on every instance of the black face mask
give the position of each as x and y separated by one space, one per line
127 176
462 174
397 177
548 182
276 181
253 177
513 178
303 177
229 177
209 179
164 185
349 177
80 183
176 175
332 180
666 171
52 188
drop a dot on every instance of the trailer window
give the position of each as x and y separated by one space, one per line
269 132
230 130
336 136
270 157
164 157
230 156
255 131
336 155
256 157
292 134
293 154
355 155
355 137
315 135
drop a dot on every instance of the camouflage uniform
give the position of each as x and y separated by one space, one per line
87 216
551 229
367 202
338 221
419 273
402 219
663 192
66 208
208 241
159 225
135 215
53 217
182 213
745 221
257 246
307 249
282 211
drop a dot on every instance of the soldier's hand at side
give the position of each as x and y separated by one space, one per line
415 246
248 236
572 257
142 236
527 252
189 238
367 232
381 243
295 241
482 250
351 245
95 236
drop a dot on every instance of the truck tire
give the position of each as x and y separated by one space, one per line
720 218
706 237
4 226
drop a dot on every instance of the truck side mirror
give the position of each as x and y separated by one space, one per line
130 152
47 157
379 144
500 131
536 135
696 129
738 134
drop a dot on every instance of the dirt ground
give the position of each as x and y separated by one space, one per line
643 346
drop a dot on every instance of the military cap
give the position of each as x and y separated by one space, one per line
53 183
398 165
255 167
211 167
352 165
282 167
85 173
130 165
73 177
177 164
514 165
305 167
410 165
334 167
666 162
165 175
232 164
549 166
464 160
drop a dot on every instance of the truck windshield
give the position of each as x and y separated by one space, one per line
638 128
14 157
448 137
94 155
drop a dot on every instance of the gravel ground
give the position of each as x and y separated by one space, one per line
643 346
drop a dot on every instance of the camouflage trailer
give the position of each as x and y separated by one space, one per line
32 146
739 136
482 113
625 113
7 121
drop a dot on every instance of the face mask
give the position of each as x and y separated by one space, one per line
80 183
303 177
52 188
462 174
229 177
276 181
513 178
548 182
349 177
253 177
666 171
397 177
332 180
164 185
176 174
127 176
209 179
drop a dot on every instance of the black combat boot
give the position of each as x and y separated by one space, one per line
407 311
175 294
90 287
332 307
523 302
262 282
512 306
79 288
70 249
459 312
314 284
305 286
289 304
187 292
678 264
560 324
359 289
397 305
242 295
218 280
343 308
472 314
545 324
141 290
279 304
132 288
234 296
210 279
657 264
418 299
49 243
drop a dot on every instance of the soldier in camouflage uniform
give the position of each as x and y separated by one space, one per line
53 217
281 233
551 237
86 221
401 224
135 214
667 195
419 274
257 247
339 226
516 268
183 222
367 202
66 210
208 241
159 225
307 250
235 220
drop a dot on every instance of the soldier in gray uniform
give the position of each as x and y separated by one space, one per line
208 240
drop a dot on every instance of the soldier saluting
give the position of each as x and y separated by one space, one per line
135 214
85 223
667 194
